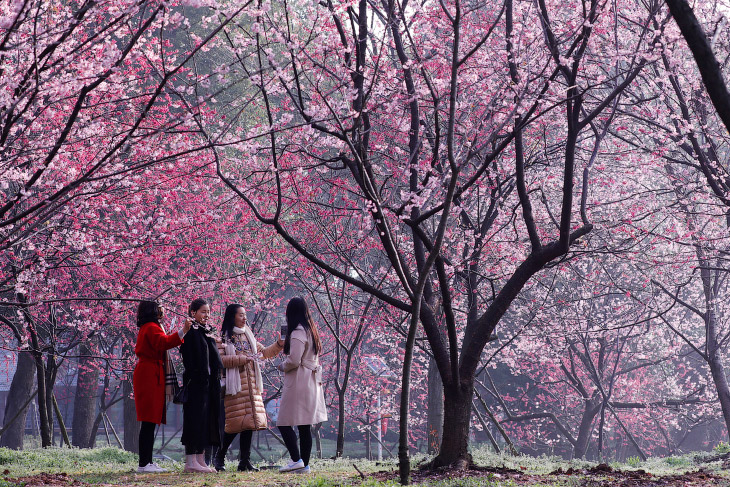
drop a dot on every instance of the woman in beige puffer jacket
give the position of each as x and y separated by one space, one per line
243 401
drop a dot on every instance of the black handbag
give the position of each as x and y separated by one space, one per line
181 396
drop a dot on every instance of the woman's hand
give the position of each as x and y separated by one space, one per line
186 326
251 357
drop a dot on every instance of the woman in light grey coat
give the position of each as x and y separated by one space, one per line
302 397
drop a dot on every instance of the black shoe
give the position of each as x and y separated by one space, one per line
219 463
245 466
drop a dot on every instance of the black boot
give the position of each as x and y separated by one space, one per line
219 462
245 466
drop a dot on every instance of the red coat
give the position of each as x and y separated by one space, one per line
149 374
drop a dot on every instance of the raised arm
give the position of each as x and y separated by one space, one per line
159 341
272 350
296 350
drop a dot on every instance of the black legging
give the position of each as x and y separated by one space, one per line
244 441
305 440
146 442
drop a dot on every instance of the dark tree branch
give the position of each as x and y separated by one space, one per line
705 58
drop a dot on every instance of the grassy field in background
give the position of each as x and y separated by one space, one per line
112 466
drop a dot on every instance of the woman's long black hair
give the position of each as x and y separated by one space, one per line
229 320
148 311
297 313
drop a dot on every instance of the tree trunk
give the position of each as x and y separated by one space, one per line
40 368
20 388
51 369
95 429
457 419
586 427
404 457
714 345
87 385
318 439
131 425
368 442
723 391
340 449
45 430
435 419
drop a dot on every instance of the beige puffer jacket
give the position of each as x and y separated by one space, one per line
245 410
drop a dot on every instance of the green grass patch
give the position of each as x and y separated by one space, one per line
722 448
65 460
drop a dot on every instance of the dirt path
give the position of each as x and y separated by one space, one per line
599 476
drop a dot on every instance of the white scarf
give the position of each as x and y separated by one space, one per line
233 378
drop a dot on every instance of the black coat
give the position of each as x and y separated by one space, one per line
202 378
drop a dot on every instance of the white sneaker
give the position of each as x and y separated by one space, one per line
151 468
304 470
291 466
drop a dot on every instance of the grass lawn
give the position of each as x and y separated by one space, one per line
265 448
112 466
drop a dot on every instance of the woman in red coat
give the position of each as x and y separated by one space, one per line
149 377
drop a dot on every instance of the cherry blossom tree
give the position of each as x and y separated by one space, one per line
674 123
597 375
106 197
385 136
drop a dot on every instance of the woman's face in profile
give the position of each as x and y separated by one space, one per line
202 314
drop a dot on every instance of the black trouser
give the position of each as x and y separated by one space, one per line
244 442
212 450
146 442
305 440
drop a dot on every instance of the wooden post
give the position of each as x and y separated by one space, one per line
61 424
114 432
106 430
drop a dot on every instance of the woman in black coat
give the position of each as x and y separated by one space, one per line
202 379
